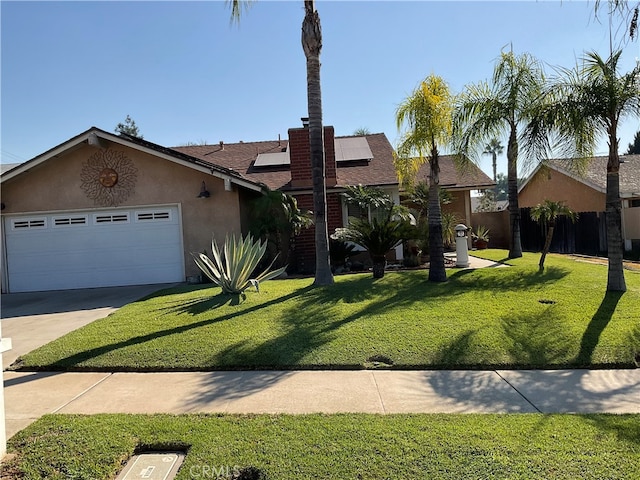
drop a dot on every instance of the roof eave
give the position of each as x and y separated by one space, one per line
174 156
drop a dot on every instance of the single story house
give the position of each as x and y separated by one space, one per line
557 180
104 210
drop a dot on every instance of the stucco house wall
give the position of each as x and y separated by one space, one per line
553 185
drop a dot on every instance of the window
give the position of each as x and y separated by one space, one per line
356 211
25 224
150 216
70 221
111 218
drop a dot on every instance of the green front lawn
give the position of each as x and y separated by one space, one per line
487 318
349 446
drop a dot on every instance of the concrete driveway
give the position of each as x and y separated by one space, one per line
36 318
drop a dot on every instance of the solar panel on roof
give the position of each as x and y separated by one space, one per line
347 149
354 148
272 159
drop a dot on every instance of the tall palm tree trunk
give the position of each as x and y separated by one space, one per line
437 271
615 277
494 158
312 44
515 246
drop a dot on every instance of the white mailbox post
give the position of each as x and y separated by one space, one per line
462 249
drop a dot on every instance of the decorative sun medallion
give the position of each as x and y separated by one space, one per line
108 178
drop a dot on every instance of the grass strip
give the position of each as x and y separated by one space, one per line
511 317
346 446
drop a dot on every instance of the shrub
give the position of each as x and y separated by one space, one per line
232 268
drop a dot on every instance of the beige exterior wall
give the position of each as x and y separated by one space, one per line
498 225
552 185
460 205
55 185
631 223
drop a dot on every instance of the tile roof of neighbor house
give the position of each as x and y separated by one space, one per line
380 171
595 174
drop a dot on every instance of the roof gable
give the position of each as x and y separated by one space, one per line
595 173
99 138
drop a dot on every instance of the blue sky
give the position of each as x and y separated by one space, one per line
186 74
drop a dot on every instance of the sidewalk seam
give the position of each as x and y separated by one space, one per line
83 392
518 392
375 381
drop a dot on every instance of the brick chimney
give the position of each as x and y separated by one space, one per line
300 157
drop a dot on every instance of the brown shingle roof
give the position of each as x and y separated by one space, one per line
240 157
596 173
453 177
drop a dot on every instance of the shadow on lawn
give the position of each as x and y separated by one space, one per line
537 339
596 326
626 428
496 279
315 318
72 362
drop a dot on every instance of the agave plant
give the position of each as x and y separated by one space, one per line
232 268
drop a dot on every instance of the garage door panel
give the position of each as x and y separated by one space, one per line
83 250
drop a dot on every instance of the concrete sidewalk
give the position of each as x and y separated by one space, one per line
31 395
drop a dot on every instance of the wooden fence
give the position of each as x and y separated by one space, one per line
587 236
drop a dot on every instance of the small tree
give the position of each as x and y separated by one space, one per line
129 127
634 148
487 202
547 213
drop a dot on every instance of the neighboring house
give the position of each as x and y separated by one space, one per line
102 209
586 192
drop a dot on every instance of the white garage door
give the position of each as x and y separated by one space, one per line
94 249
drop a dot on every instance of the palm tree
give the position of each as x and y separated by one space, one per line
488 110
427 113
379 234
494 148
312 44
626 10
547 213
584 104
277 219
